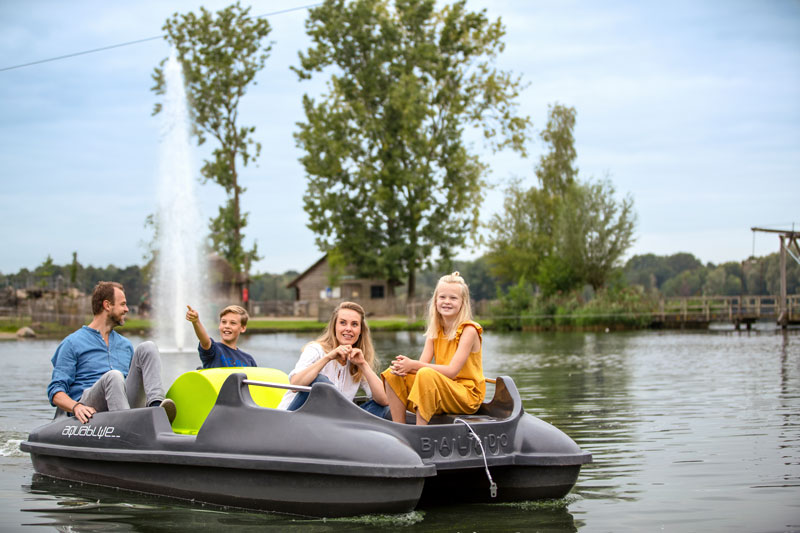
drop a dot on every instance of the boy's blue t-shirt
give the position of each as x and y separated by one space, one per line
219 355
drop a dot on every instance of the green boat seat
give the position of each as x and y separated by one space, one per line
195 393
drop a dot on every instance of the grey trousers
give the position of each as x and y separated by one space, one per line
114 392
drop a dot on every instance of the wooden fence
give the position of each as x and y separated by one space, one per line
738 310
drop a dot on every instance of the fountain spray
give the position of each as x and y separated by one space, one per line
180 273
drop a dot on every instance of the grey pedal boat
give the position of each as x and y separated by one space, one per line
329 458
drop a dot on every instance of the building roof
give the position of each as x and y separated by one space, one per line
296 280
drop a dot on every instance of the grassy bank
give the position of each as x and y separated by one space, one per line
140 326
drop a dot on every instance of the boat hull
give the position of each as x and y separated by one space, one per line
263 490
329 458
515 483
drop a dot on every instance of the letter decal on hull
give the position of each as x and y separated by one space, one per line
98 432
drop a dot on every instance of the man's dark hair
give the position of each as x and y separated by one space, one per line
104 290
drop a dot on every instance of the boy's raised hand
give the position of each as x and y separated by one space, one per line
192 315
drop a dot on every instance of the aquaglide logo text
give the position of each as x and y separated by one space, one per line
89 430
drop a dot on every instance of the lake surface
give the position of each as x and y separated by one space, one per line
690 431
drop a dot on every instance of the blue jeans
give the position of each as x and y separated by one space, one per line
371 406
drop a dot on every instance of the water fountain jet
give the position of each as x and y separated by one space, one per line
180 266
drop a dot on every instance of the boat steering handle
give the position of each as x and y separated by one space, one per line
288 386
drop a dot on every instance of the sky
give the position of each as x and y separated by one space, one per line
690 107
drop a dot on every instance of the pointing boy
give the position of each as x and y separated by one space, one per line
213 354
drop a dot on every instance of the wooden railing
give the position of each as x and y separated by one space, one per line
736 309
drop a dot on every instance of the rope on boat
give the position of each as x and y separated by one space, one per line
492 484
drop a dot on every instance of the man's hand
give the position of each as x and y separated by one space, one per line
83 412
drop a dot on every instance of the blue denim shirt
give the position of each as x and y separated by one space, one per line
83 357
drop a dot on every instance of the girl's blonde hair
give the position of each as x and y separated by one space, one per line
328 339
435 322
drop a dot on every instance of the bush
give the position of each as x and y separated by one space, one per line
519 308
628 307
512 307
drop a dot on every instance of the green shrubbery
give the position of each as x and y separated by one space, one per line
520 308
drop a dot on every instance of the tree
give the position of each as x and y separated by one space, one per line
566 232
556 170
221 56
687 283
652 271
522 236
391 178
45 272
74 267
594 230
647 270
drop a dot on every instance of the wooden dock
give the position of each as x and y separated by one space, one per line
700 311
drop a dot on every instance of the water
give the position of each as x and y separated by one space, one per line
180 270
696 431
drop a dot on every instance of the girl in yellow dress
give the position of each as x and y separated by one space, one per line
448 377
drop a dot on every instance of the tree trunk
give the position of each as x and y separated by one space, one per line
412 286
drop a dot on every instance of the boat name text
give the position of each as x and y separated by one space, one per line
464 445
89 430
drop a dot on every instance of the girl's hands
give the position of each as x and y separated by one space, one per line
403 365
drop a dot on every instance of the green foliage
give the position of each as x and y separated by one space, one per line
594 230
522 235
391 180
221 55
45 271
651 271
772 269
628 307
722 282
566 233
556 171
131 277
686 283
513 307
684 275
73 269
272 286
477 274
556 275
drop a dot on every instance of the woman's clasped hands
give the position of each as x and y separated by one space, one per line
346 352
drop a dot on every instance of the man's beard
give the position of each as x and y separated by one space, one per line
117 320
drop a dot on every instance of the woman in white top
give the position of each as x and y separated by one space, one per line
343 356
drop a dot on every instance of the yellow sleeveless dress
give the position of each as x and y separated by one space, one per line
432 392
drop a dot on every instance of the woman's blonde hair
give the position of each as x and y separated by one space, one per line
435 322
328 339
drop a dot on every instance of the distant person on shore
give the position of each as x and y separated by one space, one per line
96 369
213 354
448 377
342 356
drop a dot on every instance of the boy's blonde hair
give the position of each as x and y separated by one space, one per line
239 310
328 339
435 322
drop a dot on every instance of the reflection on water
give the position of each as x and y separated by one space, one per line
690 431
63 504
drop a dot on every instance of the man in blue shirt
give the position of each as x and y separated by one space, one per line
213 354
96 369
